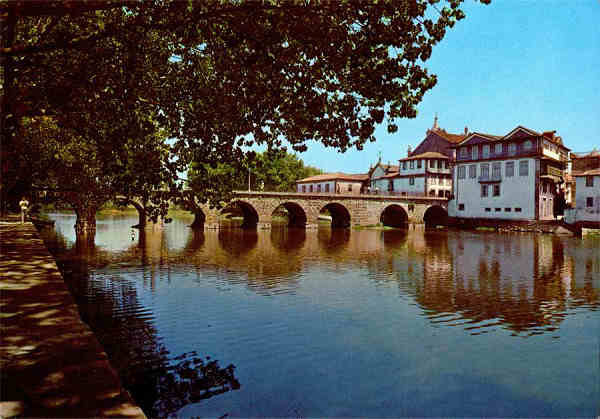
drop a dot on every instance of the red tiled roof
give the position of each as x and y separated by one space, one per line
593 172
593 153
427 155
359 177
453 138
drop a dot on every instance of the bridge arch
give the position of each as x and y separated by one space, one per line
340 216
296 215
435 215
394 216
246 210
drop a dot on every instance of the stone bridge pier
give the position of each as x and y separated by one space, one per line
304 210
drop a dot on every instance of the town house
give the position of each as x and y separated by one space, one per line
512 177
585 170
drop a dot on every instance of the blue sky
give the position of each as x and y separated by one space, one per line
534 63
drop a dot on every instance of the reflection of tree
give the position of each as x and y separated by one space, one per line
161 385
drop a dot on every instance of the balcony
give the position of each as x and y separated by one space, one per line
490 179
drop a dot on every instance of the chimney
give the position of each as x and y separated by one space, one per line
435 124
466 131
409 151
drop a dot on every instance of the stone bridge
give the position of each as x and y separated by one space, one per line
303 210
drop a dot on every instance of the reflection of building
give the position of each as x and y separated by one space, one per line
339 183
511 177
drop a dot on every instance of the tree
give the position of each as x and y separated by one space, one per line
216 76
271 170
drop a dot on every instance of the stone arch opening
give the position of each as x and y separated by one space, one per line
239 214
394 216
340 216
435 216
289 214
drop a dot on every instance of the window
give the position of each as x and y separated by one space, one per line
463 153
589 181
403 193
432 192
473 171
496 170
462 172
507 209
475 153
484 170
498 148
403 165
412 164
517 209
303 188
544 187
445 164
311 188
524 168
461 207
440 162
527 145
488 210
319 187
327 187
390 185
432 163
497 209
349 187
419 164
512 148
589 201
510 169
496 190
411 207
411 180
484 191
486 151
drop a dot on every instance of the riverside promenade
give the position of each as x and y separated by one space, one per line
51 364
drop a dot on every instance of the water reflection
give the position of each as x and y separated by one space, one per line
476 284
159 382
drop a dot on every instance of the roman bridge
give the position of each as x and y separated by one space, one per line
303 210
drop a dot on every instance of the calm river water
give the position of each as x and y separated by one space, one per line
341 323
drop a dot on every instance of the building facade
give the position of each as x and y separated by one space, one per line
334 183
511 177
585 171
426 174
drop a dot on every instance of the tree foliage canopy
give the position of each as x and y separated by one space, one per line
215 76
271 170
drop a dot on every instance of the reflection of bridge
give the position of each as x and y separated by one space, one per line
303 210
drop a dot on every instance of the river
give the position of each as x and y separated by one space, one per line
328 322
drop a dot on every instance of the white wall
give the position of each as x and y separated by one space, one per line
414 171
515 192
315 188
582 192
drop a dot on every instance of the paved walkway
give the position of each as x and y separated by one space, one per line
51 364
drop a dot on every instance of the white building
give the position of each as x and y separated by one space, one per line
587 198
511 177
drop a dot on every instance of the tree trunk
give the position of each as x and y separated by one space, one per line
199 219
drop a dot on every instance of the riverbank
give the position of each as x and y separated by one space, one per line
52 364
